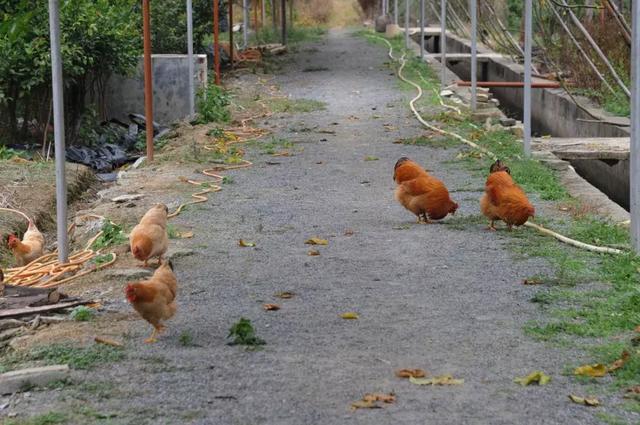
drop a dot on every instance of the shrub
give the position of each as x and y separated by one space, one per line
213 105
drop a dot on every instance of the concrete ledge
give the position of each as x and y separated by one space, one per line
19 380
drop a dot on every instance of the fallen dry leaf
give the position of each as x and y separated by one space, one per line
532 282
361 404
620 362
633 392
316 241
385 398
349 315
313 252
410 373
537 377
271 307
436 380
389 127
349 232
246 244
586 401
185 235
285 295
595 370
637 329
283 153
107 341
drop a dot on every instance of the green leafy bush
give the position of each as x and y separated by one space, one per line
213 105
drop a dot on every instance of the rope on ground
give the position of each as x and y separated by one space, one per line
558 236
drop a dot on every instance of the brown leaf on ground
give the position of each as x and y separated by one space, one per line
349 232
246 244
285 295
316 241
532 282
349 316
595 370
361 404
107 341
586 401
410 373
313 253
283 153
620 362
633 392
637 329
385 398
271 307
436 380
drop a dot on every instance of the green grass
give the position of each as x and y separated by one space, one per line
272 145
172 232
243 333
295 35
81 358
112 234
439 142
293 106
50 418
82 314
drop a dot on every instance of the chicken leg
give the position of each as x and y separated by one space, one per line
152 338
492 226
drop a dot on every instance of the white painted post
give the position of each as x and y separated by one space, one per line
406 23
192 93
421 29
395 12
527 76
443 43
634 184
474 53
58 131
245 23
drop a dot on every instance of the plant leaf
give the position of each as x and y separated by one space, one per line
620 362
361 404
316 241
436 380
349 316
596 370
537 377
385 398
410 373
313 253
246 244
185 235
586 401
285 295
271 307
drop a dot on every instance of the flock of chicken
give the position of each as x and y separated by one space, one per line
428 198
418 191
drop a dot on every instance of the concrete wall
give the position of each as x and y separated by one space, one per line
125 95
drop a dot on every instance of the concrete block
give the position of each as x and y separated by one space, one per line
392 30
19 380
507 122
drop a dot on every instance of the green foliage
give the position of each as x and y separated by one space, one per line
82 314
295 35
186 339
243 333
76 357
213 105
8 153
296 105
99 38
102 259
172 232
227 180
51 418
112 234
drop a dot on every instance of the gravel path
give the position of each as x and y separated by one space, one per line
428 296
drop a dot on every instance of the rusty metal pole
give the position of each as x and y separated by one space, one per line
255 4
216 40
231 32
191 66
148 82
283 4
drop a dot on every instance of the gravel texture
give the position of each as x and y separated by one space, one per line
428 296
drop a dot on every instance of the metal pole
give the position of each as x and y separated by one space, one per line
406 24
216 39
148 82
421 29
263 6
443 43
245 23
528 5
58 131
231 33
474 53
395 12
283 4
192 94
635 127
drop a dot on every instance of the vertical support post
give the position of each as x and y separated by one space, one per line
421 29
443 43
148 79
58 131
231 49
395 12
255 4
291 2
634 164
263 17
245 23
528 5
283 10
192 93
473 6
216 39
406 23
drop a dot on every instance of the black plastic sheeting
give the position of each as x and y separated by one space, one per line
106 157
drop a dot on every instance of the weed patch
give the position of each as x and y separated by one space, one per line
243 333
293 106
112 234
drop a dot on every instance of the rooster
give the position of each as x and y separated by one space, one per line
154 299
29 248
504 199
422 194
149 238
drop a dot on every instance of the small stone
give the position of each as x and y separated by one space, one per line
18 380
139 162
517 130
507 122
126 198
137 273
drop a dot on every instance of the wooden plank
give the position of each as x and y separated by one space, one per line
23 296
585 148
15 312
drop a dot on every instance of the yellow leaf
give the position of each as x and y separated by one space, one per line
313 252
587 401
595 370
185 235
316 241
349 315
385 398
538 377
285 295
246 244
436 380
361 404
410 373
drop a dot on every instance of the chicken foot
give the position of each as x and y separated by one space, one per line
156 330
492 226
